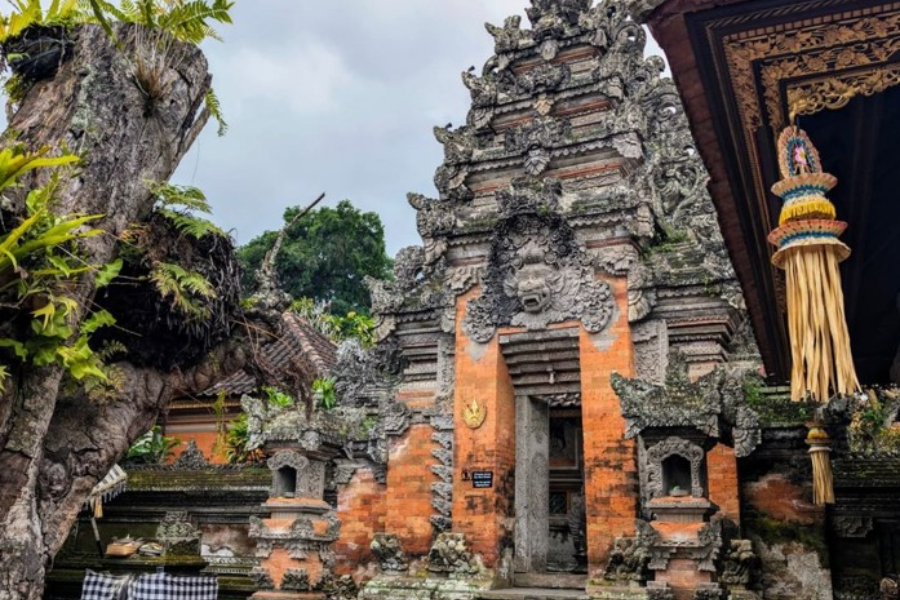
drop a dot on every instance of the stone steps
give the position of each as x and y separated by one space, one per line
568 581
534 594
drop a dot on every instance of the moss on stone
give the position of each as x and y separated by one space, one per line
210 479
772 532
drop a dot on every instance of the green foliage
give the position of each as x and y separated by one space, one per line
871 431
36 256
186 289
325 393
152 448
31 13
178 203
326 256
237 438
186 20
215 110
337 328
277 398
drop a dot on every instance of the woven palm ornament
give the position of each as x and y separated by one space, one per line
809 251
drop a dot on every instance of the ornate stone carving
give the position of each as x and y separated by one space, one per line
714 404
296 580
509 37
852 526
538 274
389 552
739 563
287 458
541 133
262 579
176 525
628 561
450 554
191 458
345 588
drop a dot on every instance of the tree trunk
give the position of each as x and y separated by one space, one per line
94 105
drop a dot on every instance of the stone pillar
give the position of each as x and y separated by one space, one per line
532 484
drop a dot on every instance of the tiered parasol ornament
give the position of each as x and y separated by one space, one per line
809 251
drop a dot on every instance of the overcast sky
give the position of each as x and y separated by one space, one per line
336 96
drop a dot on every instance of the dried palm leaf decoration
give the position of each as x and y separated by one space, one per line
809 251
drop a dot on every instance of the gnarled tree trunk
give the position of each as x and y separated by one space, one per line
53 450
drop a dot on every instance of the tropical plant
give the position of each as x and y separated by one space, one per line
38 252
152 448
30 13
187 290
178 204
353 326
325 393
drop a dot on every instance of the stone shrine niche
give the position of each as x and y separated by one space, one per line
671 465
294 476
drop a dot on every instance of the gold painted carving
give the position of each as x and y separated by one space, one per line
847 42
811 97
474 414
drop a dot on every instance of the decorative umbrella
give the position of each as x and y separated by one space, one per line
108 488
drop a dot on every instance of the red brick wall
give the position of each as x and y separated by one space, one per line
483 514
611 483
407 499
723 482
361 509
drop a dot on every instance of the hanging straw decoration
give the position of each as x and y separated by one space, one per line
809 252
820 453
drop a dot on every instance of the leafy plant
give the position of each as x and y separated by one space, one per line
30 13
277 398
236 438
152 448
178 204
338 329
36 255
186 289
325 393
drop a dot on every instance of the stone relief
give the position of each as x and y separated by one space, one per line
628 562
714 404
450 554
389 552
738 564
537 274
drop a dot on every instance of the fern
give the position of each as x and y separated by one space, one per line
176 204
215 109
186 289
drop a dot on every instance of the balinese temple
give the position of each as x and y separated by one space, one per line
619 366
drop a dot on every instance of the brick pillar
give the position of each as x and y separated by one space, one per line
722 473
481 374
408 493
610 467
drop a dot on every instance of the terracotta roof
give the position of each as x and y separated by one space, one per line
301 341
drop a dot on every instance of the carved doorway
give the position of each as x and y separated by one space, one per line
567 550
550 520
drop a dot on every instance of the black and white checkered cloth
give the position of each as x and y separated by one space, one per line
100 586
162 586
